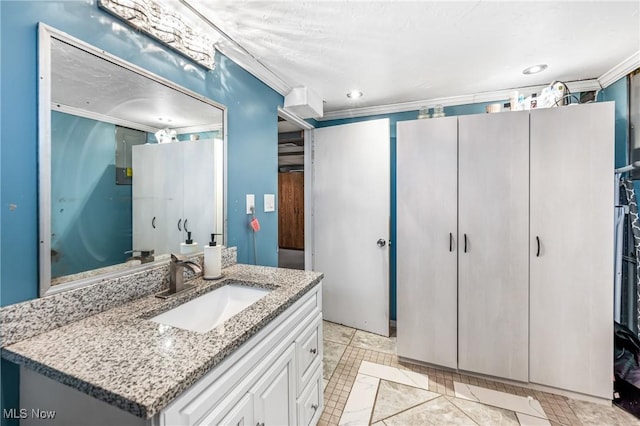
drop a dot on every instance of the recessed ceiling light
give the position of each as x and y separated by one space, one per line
535 69
354 94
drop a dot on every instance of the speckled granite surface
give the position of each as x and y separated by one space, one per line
27 319
122 358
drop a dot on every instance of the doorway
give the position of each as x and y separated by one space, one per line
291 211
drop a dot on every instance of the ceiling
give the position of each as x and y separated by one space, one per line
403 51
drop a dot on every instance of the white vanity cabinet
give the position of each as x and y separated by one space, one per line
272 379
174 191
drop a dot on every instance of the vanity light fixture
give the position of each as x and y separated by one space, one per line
354 94
534 69
165 26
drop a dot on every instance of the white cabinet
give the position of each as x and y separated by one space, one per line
274 395
427 208
462 242
526 286
572 248
309 405
174 191
241 414
493 216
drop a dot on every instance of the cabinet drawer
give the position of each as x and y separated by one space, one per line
308 350
310 404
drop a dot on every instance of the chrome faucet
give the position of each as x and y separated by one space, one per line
176 273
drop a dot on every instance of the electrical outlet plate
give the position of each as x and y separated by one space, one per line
269 202
251 203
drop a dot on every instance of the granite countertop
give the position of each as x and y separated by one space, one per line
122 358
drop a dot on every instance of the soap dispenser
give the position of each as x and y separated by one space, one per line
189 246
212 260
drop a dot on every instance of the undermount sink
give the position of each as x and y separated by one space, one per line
211 309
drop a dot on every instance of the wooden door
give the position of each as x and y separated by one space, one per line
427 243
351 186
493 255
291 210
572 248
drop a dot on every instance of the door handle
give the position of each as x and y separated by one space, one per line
538 242
153 222
450 241
185 225
381 243
465 243
179 225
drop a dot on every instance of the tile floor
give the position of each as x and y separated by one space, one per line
366 384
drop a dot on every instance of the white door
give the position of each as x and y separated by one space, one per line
170 160
572 248
351 183
199 190
493 249
143 182
427 242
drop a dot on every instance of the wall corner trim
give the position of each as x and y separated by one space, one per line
620 70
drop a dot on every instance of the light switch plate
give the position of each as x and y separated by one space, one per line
269 202
251 203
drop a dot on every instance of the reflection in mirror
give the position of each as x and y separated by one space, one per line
131 170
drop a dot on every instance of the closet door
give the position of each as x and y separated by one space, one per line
572 187
169 162
427 208
149 215
199 191
142 194
493 229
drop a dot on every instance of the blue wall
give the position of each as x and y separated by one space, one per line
619 93
91 222
252 135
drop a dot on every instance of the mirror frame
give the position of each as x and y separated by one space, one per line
45 34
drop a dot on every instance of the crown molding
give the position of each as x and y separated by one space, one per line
622 69
253 66
494 96
241 56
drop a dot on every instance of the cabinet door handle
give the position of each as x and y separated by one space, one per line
313 351
465 243
185 225
450 241
179 225
315 407
153 222
538 242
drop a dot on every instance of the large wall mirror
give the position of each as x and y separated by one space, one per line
130 165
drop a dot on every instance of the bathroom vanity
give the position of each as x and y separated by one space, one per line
262 365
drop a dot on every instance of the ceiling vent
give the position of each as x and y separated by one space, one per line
303 102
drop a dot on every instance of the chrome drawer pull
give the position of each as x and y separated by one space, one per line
314 406
313 351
